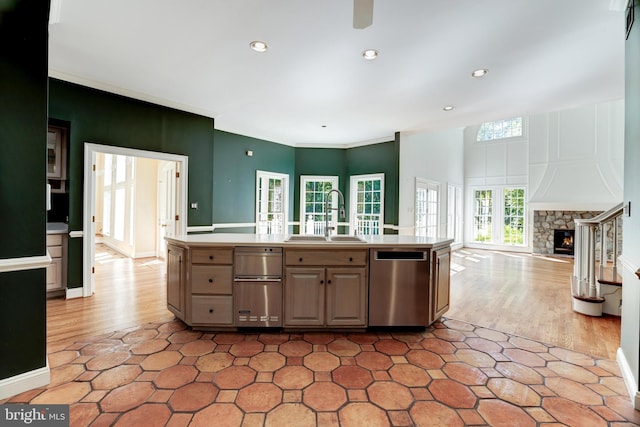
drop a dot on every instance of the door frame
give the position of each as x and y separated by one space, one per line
161 165
89 200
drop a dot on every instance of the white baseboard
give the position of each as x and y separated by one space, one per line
24 382
629 380
74 293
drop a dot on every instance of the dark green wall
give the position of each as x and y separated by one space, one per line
103 118
320 161
234 175
23 136
379 158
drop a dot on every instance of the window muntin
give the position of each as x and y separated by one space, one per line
272 190
500 129
504 207
426 208
313 193
514 216
367 204
482 215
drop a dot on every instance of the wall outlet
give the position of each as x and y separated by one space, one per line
194 205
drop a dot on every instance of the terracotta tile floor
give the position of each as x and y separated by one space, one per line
452 374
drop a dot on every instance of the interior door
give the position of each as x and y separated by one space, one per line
167 209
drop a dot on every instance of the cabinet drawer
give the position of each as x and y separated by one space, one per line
326 257
211 279
218 310
54 239
55 251
211 256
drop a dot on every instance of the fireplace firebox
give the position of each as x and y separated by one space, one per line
563 242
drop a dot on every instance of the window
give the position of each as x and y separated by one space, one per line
482 215
454 213
367 203
272 191
502 206
313 193
500 129
426 209
513 216
118 202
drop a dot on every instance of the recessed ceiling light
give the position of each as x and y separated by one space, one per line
448 107
370 54
480 72
258 46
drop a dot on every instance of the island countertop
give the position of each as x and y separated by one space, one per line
248 239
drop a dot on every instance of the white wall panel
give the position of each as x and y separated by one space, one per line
433 156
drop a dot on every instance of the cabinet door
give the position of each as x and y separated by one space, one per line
175 280
304 296
54 275
440 283
346 297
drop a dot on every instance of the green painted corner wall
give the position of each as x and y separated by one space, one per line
221 176
23 142
104 118
380 158
234 175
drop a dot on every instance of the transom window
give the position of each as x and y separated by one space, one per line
313 195
367 203
500 129
272 191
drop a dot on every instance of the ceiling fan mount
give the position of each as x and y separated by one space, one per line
362 13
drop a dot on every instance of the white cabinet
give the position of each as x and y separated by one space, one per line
57 271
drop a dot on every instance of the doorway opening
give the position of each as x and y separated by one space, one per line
132 200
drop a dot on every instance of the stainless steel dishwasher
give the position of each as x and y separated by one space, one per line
258 286
399 287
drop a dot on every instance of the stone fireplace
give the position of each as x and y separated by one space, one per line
545 223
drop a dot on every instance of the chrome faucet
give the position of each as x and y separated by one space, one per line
340 207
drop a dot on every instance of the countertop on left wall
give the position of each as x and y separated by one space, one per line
57 228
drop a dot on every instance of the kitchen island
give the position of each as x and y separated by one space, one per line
233 281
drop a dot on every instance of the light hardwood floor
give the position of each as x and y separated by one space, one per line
514 293
126 293
527 295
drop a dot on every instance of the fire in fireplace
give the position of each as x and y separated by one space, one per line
563 242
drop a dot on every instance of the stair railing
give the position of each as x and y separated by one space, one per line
587 233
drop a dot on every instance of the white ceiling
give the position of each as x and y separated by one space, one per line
542 55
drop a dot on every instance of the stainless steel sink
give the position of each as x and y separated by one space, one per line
346 238
305 238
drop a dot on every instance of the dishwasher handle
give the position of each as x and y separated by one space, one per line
401 256
257 279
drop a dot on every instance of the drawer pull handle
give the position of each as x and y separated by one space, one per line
210 256
300 259
211 310
350 259
322 282
210 280
329 282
